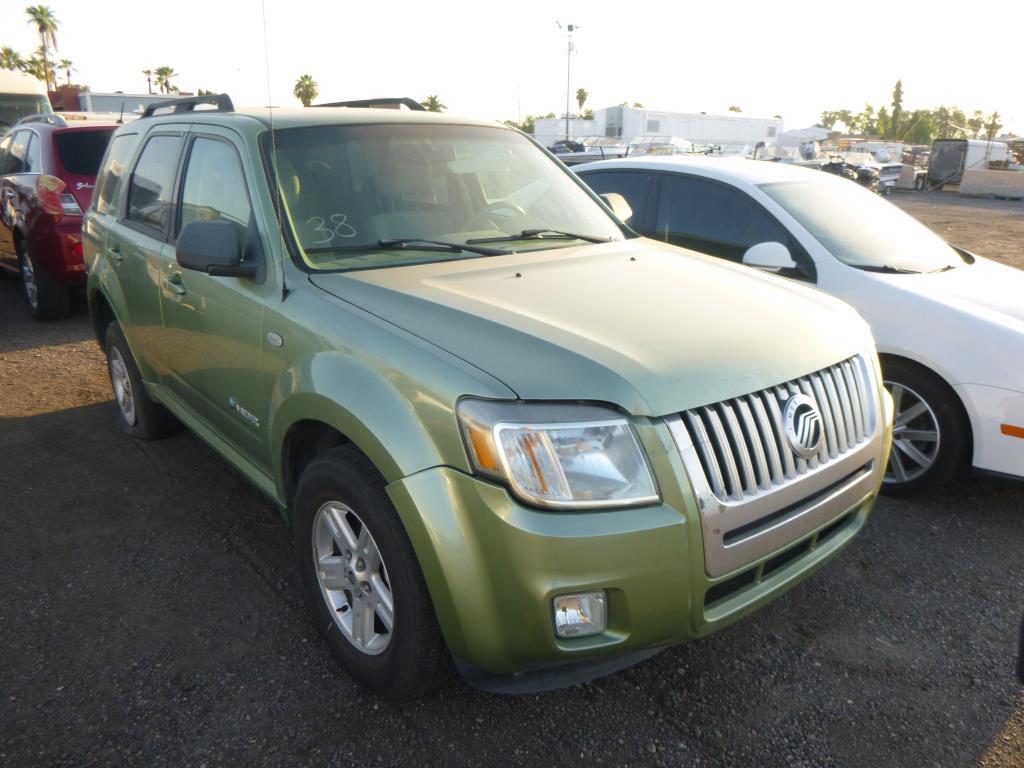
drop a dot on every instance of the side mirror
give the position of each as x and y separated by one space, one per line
618 205
213 247
769 255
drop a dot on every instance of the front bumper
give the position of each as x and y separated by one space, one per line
493 565
997 418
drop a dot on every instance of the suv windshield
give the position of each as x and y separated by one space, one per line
14 106
353 191
860 228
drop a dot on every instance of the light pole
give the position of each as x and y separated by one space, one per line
569 28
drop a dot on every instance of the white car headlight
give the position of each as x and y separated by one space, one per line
561 456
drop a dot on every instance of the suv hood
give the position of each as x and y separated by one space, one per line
649 327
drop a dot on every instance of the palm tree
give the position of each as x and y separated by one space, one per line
46 22
67 66
306 90
149 79
10 59
34 67
433 104
163 77
581 97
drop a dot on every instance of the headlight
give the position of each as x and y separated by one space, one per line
562 456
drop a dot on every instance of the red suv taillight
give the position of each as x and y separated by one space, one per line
50 191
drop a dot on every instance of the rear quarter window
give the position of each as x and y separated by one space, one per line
81 152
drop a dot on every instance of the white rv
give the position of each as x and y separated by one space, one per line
20 95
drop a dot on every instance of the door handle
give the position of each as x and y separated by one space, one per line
115 254
174 285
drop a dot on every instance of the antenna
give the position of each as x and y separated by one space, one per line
120 118
273 156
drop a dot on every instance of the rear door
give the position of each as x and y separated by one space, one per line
20 171
212 342
137 240
6 226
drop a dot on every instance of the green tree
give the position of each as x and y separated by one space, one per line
993 126
883 123
897 110
149 79
162 76
828 119
35 67
46 23
581 97
68 66
919 128
10 59
735 109
976 123
950 122
306 90
864 122
588 114
433 104
637 105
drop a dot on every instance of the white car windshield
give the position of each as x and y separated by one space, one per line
372 196
862 229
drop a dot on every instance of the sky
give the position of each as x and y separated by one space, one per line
508 60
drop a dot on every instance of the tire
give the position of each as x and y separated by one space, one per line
137 414
931 447
343 519
46 299
920 183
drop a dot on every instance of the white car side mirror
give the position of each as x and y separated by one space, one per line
618 205
769 255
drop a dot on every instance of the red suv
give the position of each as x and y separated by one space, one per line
47 173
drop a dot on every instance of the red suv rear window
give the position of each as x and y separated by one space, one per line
81 151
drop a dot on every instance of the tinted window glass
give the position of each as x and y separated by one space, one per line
632 185
19 152
149 195
715 214
109 182
214 185
33 164
14 106
81 151
5 148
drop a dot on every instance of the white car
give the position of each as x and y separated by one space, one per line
949 325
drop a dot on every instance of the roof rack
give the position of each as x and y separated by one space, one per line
43 118
189 103
395 103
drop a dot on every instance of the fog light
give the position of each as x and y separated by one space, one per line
581 614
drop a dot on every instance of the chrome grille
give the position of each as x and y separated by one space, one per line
741 442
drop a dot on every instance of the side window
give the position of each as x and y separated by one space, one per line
5 150
635 186
712 218
108 183
214 188
33 161
149 193
16 160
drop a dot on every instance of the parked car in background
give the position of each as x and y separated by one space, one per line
949 324
504 429
47 173
21 95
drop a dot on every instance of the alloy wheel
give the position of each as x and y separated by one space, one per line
353 578
28 280
122 386
915 437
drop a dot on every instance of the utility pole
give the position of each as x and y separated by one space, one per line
569 28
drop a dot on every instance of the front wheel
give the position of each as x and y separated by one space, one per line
363 581
931 432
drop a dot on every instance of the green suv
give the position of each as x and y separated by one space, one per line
507 432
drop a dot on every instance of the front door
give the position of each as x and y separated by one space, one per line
213 333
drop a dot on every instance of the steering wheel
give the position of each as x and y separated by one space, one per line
502 209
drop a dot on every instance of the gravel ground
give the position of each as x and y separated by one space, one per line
152 616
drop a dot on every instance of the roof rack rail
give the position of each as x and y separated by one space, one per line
44 118
395 103
189 103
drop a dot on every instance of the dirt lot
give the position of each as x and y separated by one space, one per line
151 615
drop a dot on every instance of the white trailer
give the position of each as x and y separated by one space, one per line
21 95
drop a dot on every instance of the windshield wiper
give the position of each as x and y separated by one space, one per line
541 234
412 243
886 269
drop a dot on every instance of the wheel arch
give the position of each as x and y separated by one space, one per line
942 380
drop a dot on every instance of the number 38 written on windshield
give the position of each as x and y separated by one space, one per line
338 227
